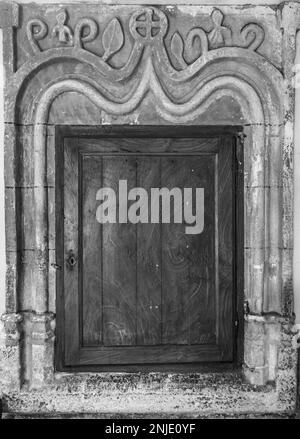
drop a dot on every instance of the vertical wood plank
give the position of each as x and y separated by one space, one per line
119 262
91 252
71 197
148 261
201 172
226 220
188 260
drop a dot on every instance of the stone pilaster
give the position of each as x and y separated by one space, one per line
262 348
42 337
255 367
10 351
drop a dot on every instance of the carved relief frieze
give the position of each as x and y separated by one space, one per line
61 35
146 27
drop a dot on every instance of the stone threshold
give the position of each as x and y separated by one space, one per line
153 395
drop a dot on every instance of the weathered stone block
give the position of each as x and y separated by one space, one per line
254 344
42 337
10 359
287 387
9 15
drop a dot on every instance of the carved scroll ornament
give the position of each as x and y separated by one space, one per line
148 27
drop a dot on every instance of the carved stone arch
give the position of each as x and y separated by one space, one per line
257 108
259 105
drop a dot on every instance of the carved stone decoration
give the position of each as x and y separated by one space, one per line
220 35
88 24
148 25
194 34
177 49
36 31
255 34
61 30
252 36
112 39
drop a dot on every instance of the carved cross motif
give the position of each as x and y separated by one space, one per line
148 24
64 33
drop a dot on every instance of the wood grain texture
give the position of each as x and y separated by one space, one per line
225 271
156 146
188 260
119 262
91 232
149 266
71 248
145 355
149 293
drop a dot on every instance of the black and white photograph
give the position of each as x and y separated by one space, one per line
149 213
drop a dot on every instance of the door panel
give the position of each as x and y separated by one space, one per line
146 293
188 260
149 262
119 263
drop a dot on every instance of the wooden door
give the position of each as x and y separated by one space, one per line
145 293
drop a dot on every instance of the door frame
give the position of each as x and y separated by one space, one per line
148 131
